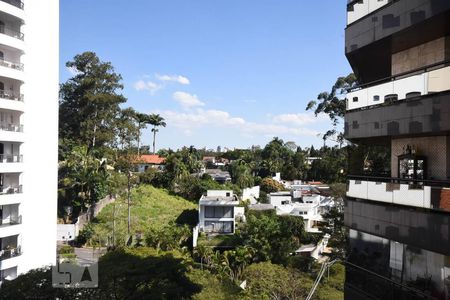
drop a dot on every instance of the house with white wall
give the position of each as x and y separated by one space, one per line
217 212
308 206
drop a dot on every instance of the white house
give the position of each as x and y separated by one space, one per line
280 198
29 87
310 207
217 211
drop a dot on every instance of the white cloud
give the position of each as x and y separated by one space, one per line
200 118
297 119
187 100
153 87
173 78
150 86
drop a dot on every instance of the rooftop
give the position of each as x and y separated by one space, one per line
151 159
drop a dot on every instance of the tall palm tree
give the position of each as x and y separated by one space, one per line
156 121
143 120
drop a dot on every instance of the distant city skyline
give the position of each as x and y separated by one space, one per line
235 73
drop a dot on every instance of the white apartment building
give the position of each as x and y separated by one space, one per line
29 77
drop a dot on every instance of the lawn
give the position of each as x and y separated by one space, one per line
149 207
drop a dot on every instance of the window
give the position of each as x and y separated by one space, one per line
355 99
376 98
218 212
228 194
221 227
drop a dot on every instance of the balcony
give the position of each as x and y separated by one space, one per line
13 220
16 3
11 127
358 9
389 20
11 65
11 32
10 252
432 79
9 190
11 158
422 115
11 96
429 194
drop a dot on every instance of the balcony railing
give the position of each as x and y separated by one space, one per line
430 194
11 96
11 32
16 3
6 158
13 220
10 190
431 79
11 65
11 127
10 252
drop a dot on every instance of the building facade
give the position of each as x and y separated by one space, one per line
399 221
217 212
29 77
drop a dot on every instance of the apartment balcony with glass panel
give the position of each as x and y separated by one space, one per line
11 34
10 188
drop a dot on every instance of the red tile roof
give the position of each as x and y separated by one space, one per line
151 159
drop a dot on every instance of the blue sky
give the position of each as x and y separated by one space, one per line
233 73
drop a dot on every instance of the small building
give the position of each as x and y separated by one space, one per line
146 161
219 175
217 211
278 199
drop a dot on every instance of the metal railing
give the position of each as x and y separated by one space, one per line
11 65
377 286
11 32
8 158
11 127
11 190
11 96
419 182
10 252
16 3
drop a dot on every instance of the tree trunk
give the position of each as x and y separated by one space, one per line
129 202
139 142
154 140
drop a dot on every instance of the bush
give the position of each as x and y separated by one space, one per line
269 185
66 249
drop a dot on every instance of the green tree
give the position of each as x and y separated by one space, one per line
168 237
333 104
156 121
142 121
241 173
89 102
126 159
270 281
83 179
273 237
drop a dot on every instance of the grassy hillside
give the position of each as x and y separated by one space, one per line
149 207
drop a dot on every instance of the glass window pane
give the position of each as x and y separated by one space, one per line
209 211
